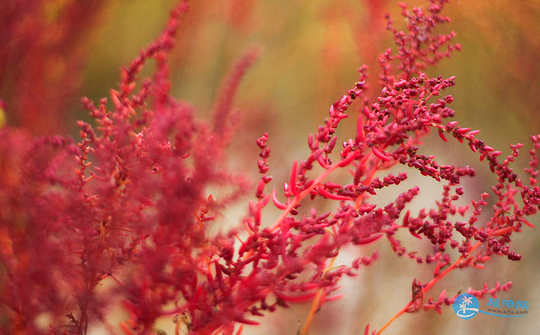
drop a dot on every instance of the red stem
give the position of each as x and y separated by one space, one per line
434 281
307 191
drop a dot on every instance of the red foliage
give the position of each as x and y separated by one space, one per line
128 205
43 48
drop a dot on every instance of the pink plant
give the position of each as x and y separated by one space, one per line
124 215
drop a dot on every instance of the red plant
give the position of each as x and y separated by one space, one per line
128 220
43 48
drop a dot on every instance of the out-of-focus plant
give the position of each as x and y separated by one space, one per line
122 216
44 45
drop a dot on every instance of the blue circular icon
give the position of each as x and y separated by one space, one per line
466 306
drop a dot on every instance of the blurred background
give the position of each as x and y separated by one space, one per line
62 50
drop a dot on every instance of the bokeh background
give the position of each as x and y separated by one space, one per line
54 52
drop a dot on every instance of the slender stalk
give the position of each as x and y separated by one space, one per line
434 281
403 310
314 307
308 190
316 303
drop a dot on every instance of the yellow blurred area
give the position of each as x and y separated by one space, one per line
2 117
